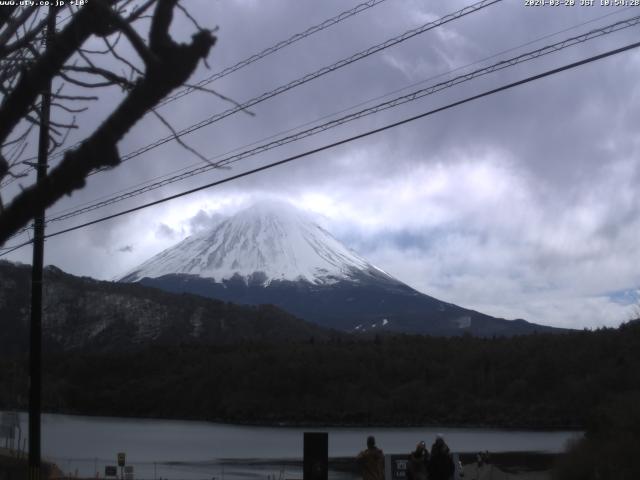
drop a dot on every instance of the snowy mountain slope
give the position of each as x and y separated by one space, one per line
273 254
270 238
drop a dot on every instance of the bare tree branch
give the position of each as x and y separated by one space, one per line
172 65
221 97
68 109
136 41
83 98
57 144
111 48
189 16
139 12
179 140
13 24
80 83
28 37
32 81
112 78
5 14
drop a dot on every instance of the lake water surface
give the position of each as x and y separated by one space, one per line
189 449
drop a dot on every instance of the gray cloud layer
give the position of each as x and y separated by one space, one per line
522 204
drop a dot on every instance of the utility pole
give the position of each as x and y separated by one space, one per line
35 334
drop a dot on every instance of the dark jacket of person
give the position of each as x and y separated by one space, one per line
371 462
418 464
441 465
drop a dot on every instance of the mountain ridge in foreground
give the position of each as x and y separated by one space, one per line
80 313
273 253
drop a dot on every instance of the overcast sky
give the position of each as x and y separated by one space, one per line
523 204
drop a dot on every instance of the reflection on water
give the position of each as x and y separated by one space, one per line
199 450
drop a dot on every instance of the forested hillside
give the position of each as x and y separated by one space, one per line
539 380
81 313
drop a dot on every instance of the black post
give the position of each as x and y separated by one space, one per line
315 456
35 351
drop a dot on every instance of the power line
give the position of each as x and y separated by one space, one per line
8 250
371 110
352 138
245 62
311 76
303 80
360 104
357 115
166 180
186 173
310 30
274 48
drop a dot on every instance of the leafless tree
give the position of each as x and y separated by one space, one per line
69 57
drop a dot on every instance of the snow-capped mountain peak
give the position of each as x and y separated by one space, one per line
272 239
272 253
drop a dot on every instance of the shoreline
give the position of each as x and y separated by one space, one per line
309 424
513 465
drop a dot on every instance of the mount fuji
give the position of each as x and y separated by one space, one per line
269 242
272 253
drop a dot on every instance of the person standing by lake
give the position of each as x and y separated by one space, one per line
441 466
418 463
371 461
